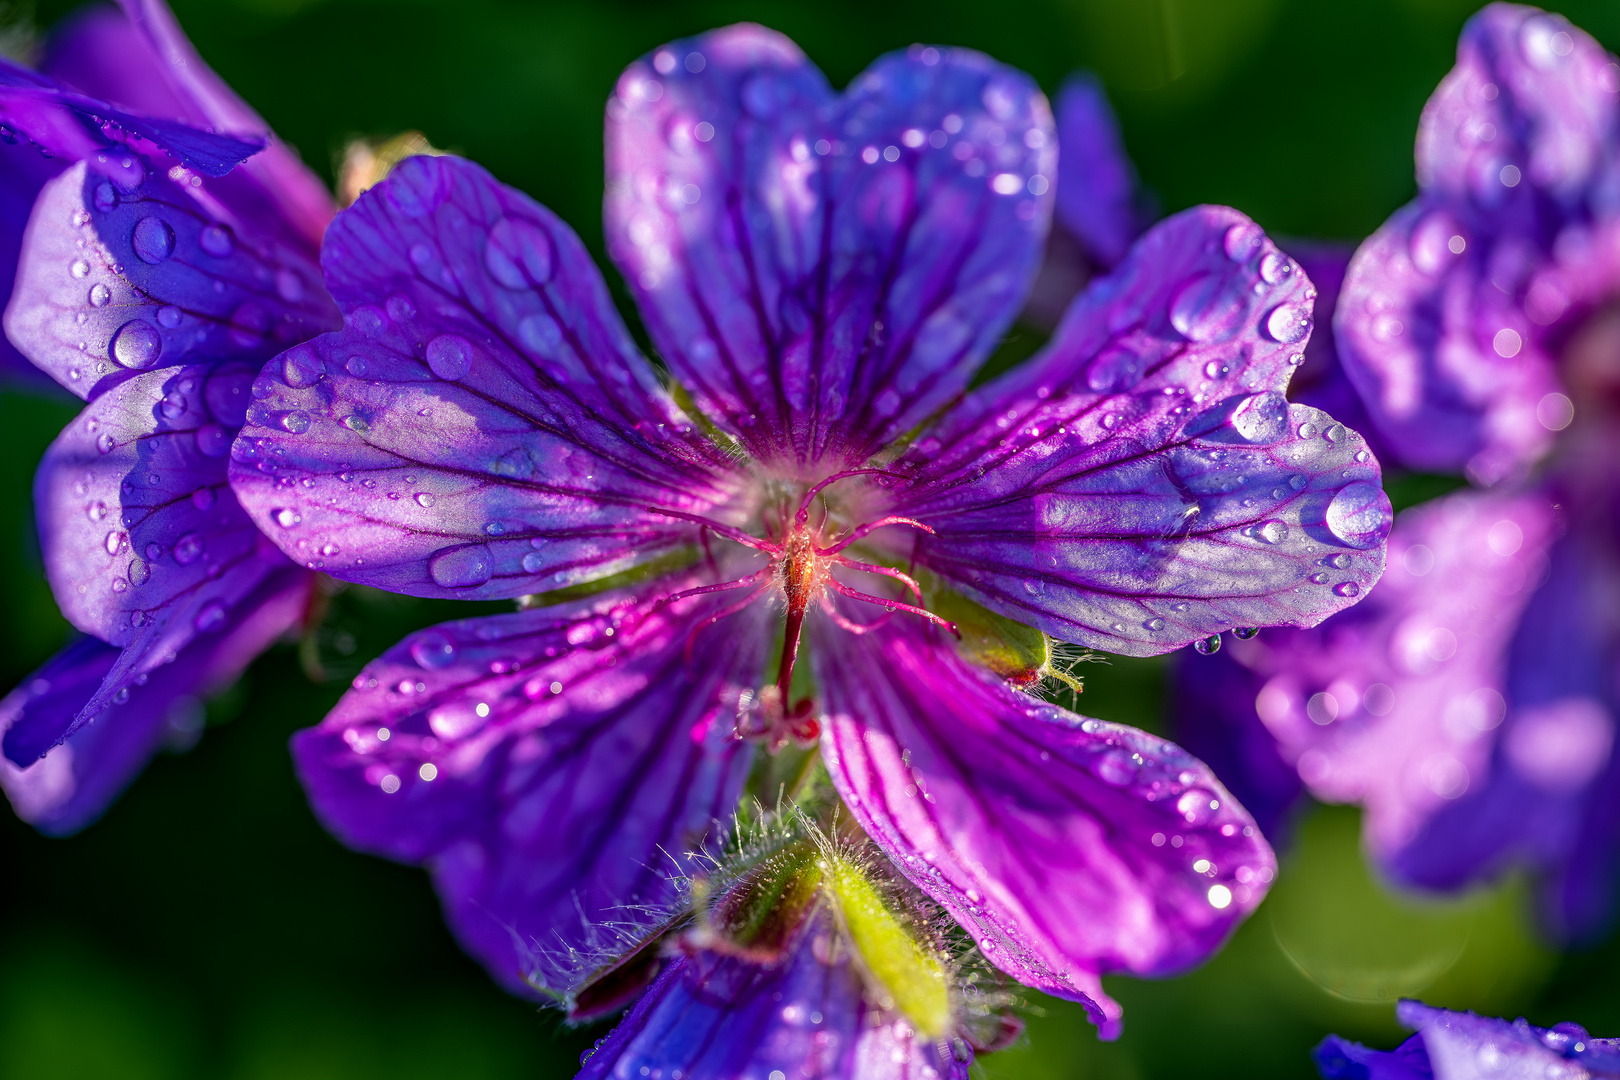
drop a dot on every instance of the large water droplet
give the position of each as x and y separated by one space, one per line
1209 308
518 253
136 345
1272 532
424 499
1261 418
462 567
1242 241
1207 646
153 239
286 517
100 295
449 355
1347 588
1289 323
188 549
433 650
1360 515
79 268
296 421
1276 267
203 498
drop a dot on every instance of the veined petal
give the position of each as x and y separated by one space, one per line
139 58
1069 848
23 171
1143 482
822 273
483 425
123 270
138 526
1097 199
65 122
552 767
62 768
717 1017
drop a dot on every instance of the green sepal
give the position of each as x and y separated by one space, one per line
908 972
1018 653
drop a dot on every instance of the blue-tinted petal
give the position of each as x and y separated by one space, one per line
1097 199
483 425
822 273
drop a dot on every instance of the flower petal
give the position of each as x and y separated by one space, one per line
1069 848
1143 483
552 767
122 271
22 173
62 768
824 273
1097 199
140 59
711 1015
483 426
1452 311
62 120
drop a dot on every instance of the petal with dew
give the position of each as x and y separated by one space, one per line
1143 483
483 425
122 271
60 779
1069 848
553 767
144 544
822 273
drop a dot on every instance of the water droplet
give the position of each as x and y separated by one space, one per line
1245 632
79 268
300 367
1347 588
136 345
105 197
203 498
168 316
1360 515
213 441
1207 646
1154 624
289 286
449 355
286 517
424 499
533 563
211 617
1197 804
433 650
173 405
1275 267
1341 561
153 239
1261 418
216 240
517 253
105 442
1209 308
100 295
1272 532
188 549
1289 323
296 421
1298 481
462 567
1214 369
1242 241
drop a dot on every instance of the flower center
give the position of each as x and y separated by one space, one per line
800 571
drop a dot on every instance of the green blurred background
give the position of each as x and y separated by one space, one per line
208 928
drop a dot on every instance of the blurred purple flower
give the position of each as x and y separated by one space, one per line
822 275
1469 705
155 276
1464 1046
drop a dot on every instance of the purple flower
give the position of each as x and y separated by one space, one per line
1464 1046
153 280
1454 312
1468 705
821 274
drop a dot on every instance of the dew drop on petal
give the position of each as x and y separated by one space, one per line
1208 308
1272 532
211 617
153 239
1261 418
136 345
188 549
1289 323
424 499
286 517
450 356
1360 515
100 295
1207 646
517 253
216 240
433 650
463 567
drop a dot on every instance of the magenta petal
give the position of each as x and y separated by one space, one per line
1097 199
823 273
483 426
552 767
74 765
714 1017
1143 483
123 270
1069 848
